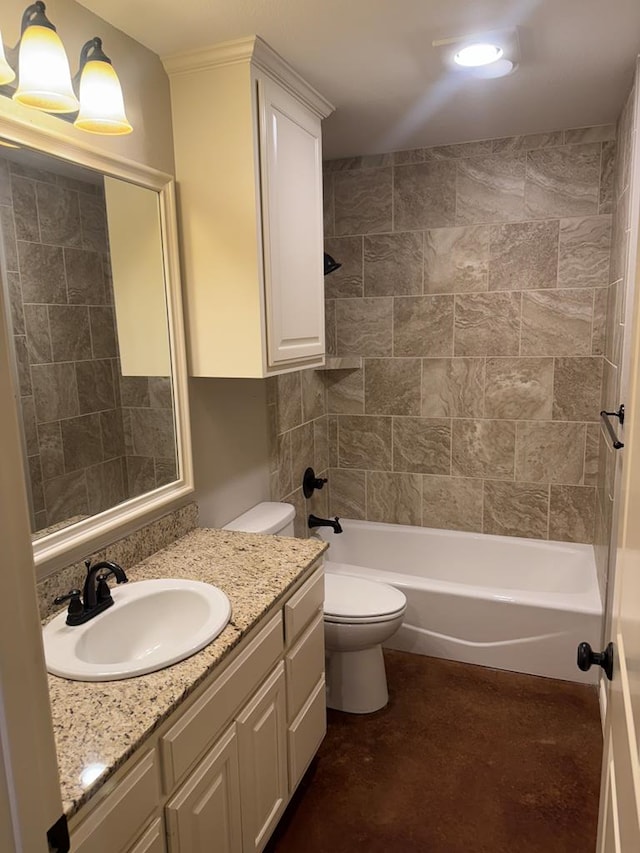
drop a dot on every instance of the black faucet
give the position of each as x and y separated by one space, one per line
314 521
96 593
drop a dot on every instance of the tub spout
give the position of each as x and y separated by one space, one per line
314 521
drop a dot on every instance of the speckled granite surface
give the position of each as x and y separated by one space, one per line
126 551
101 724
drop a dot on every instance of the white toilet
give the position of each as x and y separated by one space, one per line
359 615
267 517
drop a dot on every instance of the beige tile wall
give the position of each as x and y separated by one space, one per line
298 432
614 333
475 281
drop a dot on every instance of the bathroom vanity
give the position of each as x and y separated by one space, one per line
215 746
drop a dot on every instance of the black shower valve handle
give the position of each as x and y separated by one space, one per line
310 482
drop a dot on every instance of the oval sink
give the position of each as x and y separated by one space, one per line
152 624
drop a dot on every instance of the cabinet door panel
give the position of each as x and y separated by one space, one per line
263 761
306 734
205 814
153 840
291 183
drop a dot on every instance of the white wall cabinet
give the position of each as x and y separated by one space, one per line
221 771
249 171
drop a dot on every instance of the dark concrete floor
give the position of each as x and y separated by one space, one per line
462 759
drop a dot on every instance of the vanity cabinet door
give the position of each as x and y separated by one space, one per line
262 733
306 733
205 814
153 840
291 185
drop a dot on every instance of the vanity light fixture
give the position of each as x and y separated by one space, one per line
7 74
101 101
44 78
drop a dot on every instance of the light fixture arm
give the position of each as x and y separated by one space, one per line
34 16
92 50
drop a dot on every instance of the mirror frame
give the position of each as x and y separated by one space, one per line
72 543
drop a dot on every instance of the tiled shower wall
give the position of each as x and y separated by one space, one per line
615 331
299 439
93 438
474 285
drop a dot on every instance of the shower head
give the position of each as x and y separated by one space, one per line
330 265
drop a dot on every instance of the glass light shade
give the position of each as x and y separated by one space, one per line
101 101
475 55
44 78
7 74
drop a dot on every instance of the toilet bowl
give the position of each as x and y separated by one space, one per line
359 615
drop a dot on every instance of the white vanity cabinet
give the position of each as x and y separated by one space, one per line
221 771
262 747
208 805
249 172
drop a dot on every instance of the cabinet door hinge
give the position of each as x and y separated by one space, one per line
58 836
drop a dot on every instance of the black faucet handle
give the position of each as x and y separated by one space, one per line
310 482
103 590
74 599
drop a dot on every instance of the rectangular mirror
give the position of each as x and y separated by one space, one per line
98 363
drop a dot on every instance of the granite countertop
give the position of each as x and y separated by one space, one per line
98 725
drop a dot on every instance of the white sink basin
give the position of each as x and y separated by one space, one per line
151 624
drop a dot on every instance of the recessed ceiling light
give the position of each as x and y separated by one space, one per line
475 55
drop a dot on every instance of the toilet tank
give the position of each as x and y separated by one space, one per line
266 517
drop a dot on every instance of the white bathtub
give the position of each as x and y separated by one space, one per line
517 604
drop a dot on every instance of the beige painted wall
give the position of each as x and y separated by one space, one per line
144 82
230 449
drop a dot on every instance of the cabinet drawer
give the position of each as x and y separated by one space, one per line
306 734
304 664
113 825
302 606
153 840
196 730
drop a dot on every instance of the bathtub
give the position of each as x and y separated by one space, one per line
498 601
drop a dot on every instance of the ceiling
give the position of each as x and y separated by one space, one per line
392 90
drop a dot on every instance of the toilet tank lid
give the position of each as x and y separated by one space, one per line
265 517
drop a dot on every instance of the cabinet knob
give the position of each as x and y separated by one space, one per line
587 657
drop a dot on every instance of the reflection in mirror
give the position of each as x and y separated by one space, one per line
82 271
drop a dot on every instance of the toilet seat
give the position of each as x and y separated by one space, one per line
354 600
